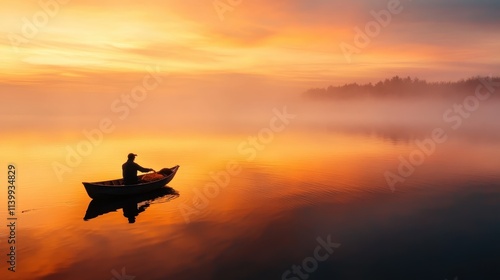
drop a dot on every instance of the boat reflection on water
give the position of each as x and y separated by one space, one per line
132 206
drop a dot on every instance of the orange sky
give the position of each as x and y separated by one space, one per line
285 40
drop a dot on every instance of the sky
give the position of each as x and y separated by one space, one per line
54 45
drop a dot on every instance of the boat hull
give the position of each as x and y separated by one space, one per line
115 188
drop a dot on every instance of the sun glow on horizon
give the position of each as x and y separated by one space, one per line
255 38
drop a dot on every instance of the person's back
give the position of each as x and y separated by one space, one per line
129 170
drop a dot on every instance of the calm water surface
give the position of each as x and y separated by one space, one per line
302 189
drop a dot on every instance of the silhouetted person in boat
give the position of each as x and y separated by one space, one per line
129 170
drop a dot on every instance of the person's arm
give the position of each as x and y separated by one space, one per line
142 169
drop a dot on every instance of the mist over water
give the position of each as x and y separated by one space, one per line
318 173
403 119
231 108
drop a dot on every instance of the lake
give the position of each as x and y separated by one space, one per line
283 199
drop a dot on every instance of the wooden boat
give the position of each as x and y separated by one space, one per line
116 188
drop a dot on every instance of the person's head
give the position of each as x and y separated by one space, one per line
131 156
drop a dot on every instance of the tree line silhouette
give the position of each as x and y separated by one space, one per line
397 87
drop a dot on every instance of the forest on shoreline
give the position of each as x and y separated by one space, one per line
403 88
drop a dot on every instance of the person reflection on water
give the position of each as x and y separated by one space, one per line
130 211
129 170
